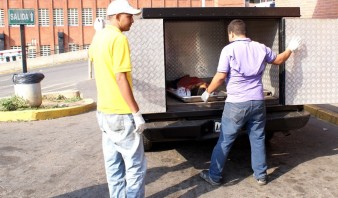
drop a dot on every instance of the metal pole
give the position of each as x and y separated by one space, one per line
23 48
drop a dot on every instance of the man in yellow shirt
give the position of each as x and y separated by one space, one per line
118 114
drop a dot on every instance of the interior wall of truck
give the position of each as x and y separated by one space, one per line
192 49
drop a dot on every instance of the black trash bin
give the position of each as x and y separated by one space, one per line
27 86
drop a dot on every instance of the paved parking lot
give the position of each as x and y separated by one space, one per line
63 158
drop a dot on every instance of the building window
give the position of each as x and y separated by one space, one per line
87 16
86 46
73 17
58 16
101 12
43 17
2 18
73 47
261 1
31 52
45 50
15 47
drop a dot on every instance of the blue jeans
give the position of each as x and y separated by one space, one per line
236 115
124 158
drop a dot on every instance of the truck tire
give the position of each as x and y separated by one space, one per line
147 144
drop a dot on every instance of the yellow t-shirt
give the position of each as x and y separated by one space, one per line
110 54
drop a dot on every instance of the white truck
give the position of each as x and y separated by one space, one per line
169 43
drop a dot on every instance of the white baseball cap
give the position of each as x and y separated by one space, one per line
121 6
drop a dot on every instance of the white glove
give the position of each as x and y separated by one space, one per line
99 24
205 96
294 43
139 122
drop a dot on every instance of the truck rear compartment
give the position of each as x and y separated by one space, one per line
180 42
192 47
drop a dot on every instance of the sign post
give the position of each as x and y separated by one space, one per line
23 48
22 17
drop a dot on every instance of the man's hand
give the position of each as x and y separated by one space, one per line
205 96
294 43
99 24
139 122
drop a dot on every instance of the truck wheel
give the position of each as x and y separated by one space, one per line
147 144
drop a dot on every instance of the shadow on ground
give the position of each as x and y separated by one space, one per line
284 153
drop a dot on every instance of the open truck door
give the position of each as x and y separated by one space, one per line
311 73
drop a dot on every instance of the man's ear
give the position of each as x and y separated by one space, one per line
117 16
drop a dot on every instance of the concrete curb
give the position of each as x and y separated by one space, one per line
44 114
323 114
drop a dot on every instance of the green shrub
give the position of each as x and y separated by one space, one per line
13 103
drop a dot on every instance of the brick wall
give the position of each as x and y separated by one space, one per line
313 8
186 3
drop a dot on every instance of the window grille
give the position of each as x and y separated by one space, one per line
87 16
86 46
73 47
101 12
43 17
15 47
58 16
261 1
45 50
73 17
31 53
2 18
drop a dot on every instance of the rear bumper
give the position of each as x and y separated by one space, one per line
285 121
163 131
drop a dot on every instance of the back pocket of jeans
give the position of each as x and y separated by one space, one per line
236 114
114 123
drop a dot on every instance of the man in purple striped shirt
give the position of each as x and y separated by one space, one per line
241 66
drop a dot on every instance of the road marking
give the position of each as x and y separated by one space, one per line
57 87
6 86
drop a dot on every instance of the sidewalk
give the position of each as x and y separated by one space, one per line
327 112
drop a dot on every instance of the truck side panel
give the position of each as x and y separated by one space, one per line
147 54
311 73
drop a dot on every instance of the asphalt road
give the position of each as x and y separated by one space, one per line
58 77
63 158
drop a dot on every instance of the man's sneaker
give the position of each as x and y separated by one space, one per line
205 175
261 181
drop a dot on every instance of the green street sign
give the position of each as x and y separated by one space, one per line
21 16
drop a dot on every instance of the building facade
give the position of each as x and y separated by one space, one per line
67 25
312 8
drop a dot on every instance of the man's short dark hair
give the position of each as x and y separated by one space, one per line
237 26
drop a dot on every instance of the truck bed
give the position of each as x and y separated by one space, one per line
176 105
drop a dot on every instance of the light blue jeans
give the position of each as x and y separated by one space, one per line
124 158
236 115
